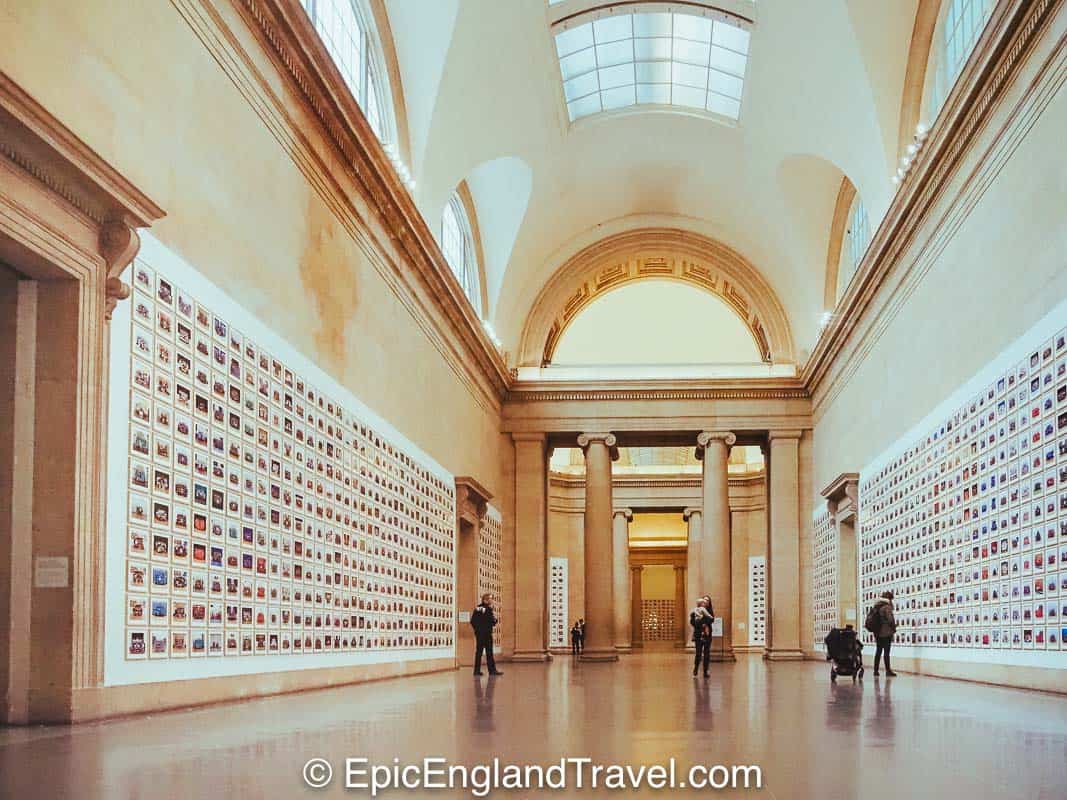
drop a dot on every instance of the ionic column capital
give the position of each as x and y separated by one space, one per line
690 512
636 567
626 512
606 438
704 438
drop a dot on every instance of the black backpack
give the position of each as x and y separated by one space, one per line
873 621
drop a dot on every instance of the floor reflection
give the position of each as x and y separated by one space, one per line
812 739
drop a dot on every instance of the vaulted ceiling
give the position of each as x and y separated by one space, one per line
484 102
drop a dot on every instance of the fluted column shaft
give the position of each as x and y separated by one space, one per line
621 578
783 548
599 449
716 562
694 582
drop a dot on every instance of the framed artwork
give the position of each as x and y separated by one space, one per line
966 523
264 516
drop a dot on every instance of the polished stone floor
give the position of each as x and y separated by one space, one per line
907 737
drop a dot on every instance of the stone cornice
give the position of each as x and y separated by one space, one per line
1014 27
741 389
287 39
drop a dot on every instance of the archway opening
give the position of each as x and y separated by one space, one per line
656 322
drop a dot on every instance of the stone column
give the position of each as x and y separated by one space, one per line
715 557
783 548
600 451
638 637
693 580
680 605
621 577
531 558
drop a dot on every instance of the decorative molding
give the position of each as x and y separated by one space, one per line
420 277
772 435
842 496
626 512
1010 35
762 389
656 253
472 500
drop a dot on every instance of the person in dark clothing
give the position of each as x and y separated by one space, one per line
576 639
700 619
887 627
581 639
483 620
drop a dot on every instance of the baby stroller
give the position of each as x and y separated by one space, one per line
845 650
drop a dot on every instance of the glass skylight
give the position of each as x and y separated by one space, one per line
653 58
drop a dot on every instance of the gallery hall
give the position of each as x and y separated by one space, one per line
531 398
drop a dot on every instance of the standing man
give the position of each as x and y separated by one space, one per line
700 618
884 627
576 639
483 620
581 639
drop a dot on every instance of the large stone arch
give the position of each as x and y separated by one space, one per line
660 254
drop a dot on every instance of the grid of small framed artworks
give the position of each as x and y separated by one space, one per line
265 517
757 600
824 576
658 622
489 552
968 524
558 628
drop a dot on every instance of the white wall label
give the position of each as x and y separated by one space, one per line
464 616
51 572
716 627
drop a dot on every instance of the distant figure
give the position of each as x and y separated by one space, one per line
483 620
581 643
883 624
576 639
700 619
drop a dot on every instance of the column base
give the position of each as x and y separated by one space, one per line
623 649
728 656
749 648
783 655
530 657
599 655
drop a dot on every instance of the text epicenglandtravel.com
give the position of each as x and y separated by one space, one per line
574 773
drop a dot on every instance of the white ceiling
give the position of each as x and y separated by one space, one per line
484 102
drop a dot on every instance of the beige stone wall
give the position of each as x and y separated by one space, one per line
142 90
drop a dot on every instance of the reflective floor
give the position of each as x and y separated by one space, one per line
906 737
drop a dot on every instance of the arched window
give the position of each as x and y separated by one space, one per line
457 244
347 30
855 239
958 30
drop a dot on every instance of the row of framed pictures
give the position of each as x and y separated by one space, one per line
967 524
490 551
263 516
824 576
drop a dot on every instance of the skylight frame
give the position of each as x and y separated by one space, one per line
653 57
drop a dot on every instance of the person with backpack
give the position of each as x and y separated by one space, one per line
883 624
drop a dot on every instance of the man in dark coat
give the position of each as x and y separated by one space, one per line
700 619
886 628
483 620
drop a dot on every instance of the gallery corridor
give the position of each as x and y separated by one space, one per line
912 736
